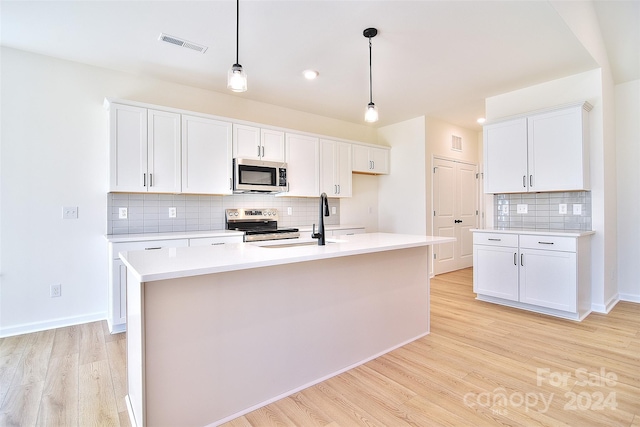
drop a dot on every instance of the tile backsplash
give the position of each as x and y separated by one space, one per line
149 213
543 211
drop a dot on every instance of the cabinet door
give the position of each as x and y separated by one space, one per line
343 169
246 142
558 157
495 271
361 161
328 173
505 157
206 156
548 279
128 148
379 160
163 152
303 172
272 142
117 317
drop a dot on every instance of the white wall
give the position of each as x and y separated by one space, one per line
54 153
586 86
362 207
402 193
628 166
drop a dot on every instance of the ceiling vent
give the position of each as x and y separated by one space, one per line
182 43
456 143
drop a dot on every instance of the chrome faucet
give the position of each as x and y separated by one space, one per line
320 235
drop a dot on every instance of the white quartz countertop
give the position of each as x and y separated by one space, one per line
172 263
564 233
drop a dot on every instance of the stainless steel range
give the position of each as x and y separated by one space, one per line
258 224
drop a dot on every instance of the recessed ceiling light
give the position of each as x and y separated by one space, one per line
310 74
481 120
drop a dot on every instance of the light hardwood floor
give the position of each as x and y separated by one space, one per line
482 364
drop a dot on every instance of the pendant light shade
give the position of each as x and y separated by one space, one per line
371 115
236 77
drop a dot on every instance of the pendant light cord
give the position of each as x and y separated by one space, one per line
370 83
237 29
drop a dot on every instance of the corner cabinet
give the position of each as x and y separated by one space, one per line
547 273
544 151
144 150
370 160
250 142
335 168
206 156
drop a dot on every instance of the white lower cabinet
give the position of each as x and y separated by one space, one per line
117 312
545 273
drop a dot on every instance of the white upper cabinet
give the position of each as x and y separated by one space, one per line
559 150
370 160
206 156
144 150
335 168
302 158
250 142
505 157
547 151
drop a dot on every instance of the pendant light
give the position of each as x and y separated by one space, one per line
236 77
371 114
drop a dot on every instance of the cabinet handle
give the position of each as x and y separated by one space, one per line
263 151
152 249
522 260
373 164
524 181
144 179
530 180
258 151
546 243
216 244
335 189
495 240
338 188
150 180
515 258
230 184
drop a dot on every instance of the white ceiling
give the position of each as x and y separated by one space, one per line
436 58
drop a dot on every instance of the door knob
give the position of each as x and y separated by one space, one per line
457 221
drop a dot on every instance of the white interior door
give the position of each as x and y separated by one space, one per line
455 213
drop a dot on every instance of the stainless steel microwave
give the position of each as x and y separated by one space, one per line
259 176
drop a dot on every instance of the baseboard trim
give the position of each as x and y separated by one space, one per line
629 297
28 328
607 307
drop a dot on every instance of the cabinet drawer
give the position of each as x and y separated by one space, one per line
147 245
211 241
495 239
551 243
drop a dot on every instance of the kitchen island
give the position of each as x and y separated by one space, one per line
215 332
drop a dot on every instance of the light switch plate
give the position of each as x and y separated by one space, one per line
334 210
562 208
522 209
577 209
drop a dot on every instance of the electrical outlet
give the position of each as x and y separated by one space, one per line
55 290
334 210
522 209
122 213
289 211
70 212
577 209
562 208
173 212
